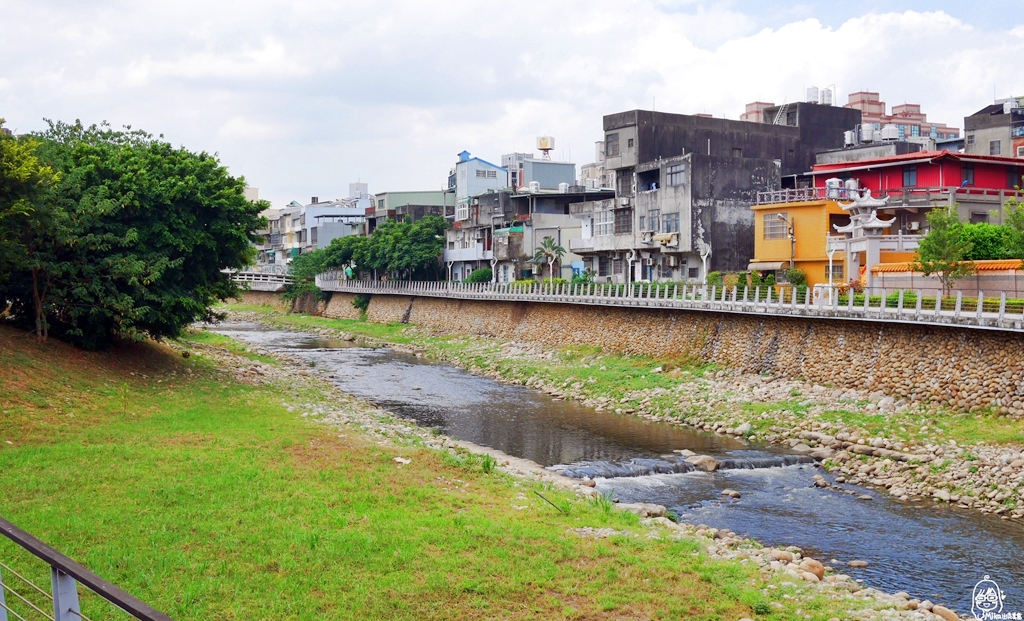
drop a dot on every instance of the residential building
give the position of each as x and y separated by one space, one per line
524 169
297 229
997 129
594 175
910 122
754 112
401 205
896 191
468 242
684 185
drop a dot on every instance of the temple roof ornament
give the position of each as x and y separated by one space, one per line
863 217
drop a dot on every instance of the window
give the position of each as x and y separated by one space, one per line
604 222
312 235
967 174
969 141
604 266
643 223
629 143
775 226
1020 153
780 277
915 130
380 204
625 182
671 223
611 145
693 273
617 266
481 174
624 221
995 147
837 272
655 219
909 176
790 153
675 175
1013 174
462 211
737 152
978 217
486 174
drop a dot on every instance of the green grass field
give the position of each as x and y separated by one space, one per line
209 499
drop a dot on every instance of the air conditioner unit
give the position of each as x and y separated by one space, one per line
673 261
647 237
624 201
914 226
648 261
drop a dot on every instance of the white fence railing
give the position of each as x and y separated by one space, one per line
263 279
900 306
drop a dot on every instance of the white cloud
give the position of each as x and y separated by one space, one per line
302 97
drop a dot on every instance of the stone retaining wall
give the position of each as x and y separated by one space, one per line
340 307
966 369
266 298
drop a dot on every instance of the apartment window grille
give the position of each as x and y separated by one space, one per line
909 176
604 222
675 175
312 235
693 273
969 141
781 278
643 223
995 147
624 221
625 182
629 143
481 174
837 272
604 267
967 174
655 219
671 223
611 145
737 152
774 225
617 266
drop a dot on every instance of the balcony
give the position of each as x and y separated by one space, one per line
586 243
476 253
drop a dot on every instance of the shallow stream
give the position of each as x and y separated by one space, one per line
936 553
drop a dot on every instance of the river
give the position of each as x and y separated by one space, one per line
932 552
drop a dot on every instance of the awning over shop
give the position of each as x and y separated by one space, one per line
767 266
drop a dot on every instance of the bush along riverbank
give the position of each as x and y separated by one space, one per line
916 453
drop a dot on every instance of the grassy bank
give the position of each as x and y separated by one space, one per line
213 498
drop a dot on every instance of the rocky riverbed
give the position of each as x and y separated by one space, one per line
895 465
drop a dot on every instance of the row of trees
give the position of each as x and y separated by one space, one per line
397 249
107 234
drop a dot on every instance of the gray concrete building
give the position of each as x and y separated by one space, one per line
684 185
997 129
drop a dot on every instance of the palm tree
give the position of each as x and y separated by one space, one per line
549 251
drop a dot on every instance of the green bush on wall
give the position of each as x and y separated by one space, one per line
483 274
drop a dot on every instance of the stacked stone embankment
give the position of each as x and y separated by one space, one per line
964 369
340 306
266 298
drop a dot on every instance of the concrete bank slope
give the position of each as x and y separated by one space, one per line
967 370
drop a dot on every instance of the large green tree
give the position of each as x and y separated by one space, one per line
404 249
131 240
944 250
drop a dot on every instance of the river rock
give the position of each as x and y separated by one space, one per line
704 462
1017 463
644 509
802 448
685 452
813 566
782 556
731 493
945 613
822 454
743 429
858 563
808 576
941 494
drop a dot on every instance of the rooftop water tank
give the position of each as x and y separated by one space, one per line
812 94
534 187
826 96
890 132
849 138
867 133
563 188
834 187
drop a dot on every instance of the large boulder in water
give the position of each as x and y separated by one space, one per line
704 462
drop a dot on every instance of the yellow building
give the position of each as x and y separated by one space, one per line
797 232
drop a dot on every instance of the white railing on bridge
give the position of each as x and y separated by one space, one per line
263 278
880 305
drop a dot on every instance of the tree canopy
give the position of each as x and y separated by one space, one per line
944 251
409 250
127 238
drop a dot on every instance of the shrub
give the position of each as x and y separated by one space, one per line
483 274
796 277
770 280
714 278
362 302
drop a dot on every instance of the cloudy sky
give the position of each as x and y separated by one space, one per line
303 96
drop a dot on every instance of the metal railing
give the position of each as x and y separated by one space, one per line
879 305
922 196
60 602
264 278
